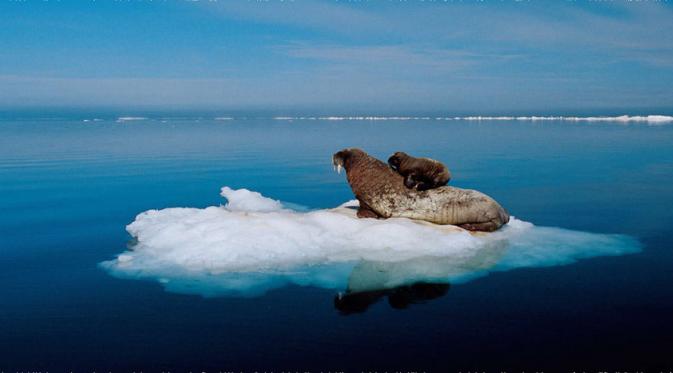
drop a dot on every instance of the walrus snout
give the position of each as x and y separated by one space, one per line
395 160
338 161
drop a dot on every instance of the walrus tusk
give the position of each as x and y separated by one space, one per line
337 163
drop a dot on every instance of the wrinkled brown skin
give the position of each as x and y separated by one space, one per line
419 173
382 194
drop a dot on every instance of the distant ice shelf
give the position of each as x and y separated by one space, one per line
652 119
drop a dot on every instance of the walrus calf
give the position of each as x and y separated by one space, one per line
382 194
419 173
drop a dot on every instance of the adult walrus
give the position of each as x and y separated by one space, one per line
382 194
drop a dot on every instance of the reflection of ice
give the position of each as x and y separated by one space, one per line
413 281
371 275
254 244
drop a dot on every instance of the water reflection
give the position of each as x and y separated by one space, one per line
412 281
378 275
399 297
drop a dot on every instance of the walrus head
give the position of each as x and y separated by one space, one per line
343 158
396 159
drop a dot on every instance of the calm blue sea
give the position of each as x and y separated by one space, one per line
70 185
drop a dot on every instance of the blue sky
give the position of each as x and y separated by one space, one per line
339 56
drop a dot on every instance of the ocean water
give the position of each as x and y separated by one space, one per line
273 281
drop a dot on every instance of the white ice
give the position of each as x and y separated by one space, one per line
647 119
129 119
254 244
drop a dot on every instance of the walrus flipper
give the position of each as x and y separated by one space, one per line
364 211
488 226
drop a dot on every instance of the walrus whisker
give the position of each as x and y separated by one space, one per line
337 163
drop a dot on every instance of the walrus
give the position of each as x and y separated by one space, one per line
382 194
419 173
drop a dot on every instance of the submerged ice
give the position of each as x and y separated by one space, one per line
254 244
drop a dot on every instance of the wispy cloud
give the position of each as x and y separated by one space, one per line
330 16
395 56
446 56
630 31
